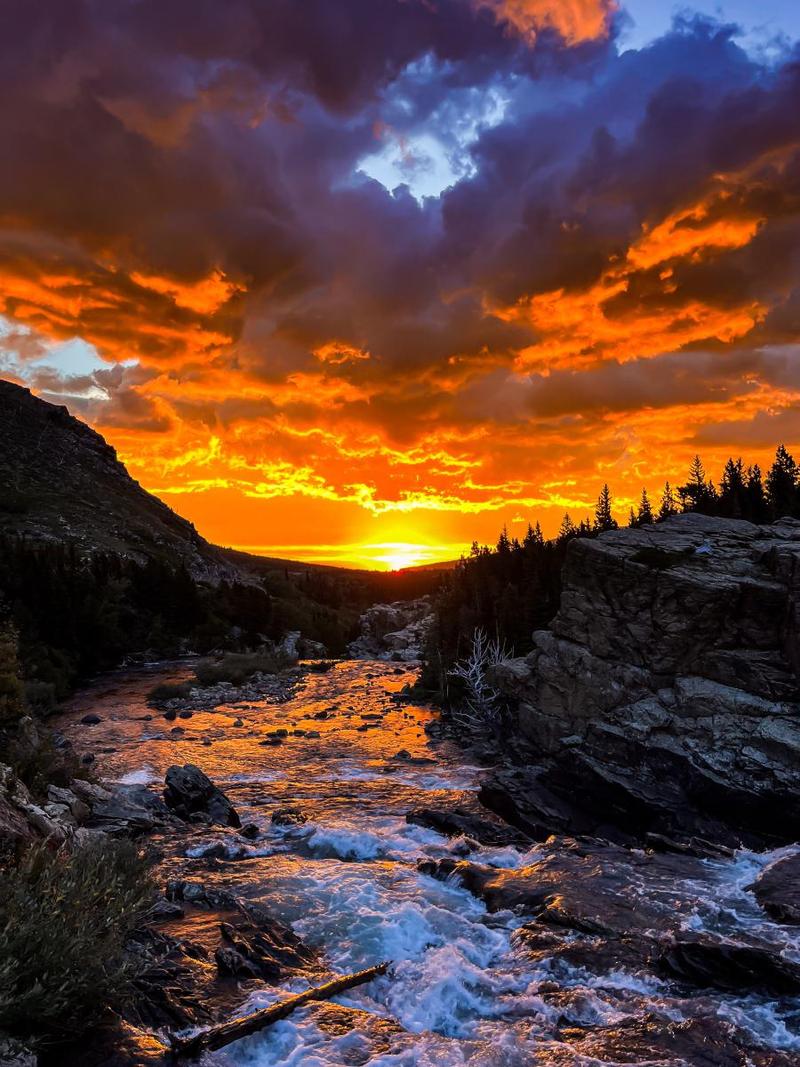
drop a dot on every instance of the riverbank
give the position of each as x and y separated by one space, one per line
365 841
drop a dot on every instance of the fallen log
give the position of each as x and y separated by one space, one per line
216 1037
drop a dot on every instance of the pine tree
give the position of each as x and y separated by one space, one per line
756 507
533 536
782 482
668 505
632 520
698 494
644 516
732 490
567 529
603 518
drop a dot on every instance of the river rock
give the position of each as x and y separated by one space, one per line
457 822
258 946
712 962
664 696
128 811
14 1054
189 791
777 889
289 817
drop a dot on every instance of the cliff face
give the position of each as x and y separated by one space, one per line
664 697
61 481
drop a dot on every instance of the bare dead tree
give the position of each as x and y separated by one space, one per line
481 704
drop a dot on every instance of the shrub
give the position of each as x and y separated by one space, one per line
237 667
41 697
64 920
169 691
37 760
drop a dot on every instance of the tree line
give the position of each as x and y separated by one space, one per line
514 588
66 615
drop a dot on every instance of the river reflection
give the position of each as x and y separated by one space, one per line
462 990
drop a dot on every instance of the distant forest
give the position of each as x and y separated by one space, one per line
72 615
512 589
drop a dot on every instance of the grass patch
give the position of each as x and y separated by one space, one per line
238 667
234 667
41 764
64 920
169 691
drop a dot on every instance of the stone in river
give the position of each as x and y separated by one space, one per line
777 889
188 791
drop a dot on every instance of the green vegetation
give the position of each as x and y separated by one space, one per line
64 920
160 694
234 667
40 763
76 616
238 667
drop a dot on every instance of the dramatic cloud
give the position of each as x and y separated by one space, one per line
398 270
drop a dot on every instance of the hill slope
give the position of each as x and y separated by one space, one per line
61 481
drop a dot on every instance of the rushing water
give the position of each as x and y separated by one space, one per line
463 989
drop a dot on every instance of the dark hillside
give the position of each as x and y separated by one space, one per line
60 481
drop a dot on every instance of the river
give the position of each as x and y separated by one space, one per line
465 986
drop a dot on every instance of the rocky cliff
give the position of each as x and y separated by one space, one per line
664 697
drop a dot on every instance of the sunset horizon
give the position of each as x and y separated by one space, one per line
371 301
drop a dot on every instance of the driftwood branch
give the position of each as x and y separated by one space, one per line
216 1037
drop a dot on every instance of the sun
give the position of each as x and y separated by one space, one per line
399 555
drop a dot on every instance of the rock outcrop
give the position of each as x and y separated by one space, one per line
664 697
395 631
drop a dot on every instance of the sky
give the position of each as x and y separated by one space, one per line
365 281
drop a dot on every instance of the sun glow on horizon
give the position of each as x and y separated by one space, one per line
385 555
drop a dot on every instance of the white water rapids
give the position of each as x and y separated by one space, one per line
462 988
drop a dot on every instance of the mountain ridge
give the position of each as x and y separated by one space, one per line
60 480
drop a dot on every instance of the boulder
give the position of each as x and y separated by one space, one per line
258 946
777 889
188 791
458 822
713 963
128 811
289 817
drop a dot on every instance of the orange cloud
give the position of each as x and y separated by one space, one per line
205 296
578 328
575 20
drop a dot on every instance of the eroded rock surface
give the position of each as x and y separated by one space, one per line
664 697
397 631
